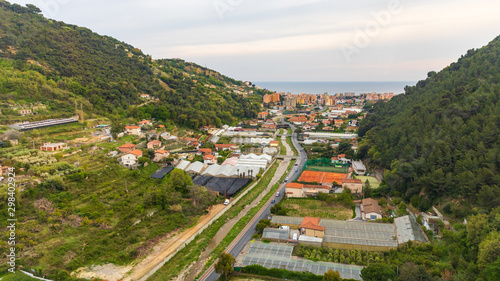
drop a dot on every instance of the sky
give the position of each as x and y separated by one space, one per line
294 40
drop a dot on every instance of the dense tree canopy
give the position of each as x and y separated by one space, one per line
48 61
441 137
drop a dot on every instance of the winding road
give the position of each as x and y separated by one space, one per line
245 236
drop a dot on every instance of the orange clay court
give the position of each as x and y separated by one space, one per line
321 177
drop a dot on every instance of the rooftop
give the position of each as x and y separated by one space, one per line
136 152
352 181
371 206
127 145
312 223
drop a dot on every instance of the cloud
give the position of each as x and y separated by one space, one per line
298 39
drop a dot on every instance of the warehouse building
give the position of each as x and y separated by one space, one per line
356 235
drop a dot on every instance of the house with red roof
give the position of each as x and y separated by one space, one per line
310 227
204 151
263 115
299 190
300 119
130 159
154 144
133 130
126 147
355 185
370 209
160 154
209 159
144 122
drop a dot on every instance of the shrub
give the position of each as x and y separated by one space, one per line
281 273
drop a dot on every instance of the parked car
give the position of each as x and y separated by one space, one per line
226 202
273 201
278 194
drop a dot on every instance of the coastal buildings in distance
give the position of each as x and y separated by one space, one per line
289 100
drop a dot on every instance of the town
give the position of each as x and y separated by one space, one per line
322 197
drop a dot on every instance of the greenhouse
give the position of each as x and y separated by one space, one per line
280 256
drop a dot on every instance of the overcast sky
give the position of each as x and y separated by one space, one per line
292 40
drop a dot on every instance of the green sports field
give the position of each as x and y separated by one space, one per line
372 180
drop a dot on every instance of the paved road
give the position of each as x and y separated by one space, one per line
237 246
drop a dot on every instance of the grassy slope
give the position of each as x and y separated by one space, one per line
315 208
92 220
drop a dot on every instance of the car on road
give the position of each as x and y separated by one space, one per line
278 194
226 202
273 201
286 180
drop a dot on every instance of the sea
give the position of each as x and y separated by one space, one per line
333 87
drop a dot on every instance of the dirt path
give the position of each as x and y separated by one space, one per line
167 247
196 268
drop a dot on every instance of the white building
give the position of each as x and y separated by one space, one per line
358 167
133 130
131 158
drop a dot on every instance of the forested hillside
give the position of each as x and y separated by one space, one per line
441 138
47 60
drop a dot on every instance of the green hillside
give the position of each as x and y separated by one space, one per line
441 138
48 61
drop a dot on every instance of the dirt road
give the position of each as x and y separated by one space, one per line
164 249
195 269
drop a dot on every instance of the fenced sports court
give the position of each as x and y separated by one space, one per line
321 177
326 165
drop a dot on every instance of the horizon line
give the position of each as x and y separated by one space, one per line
349 81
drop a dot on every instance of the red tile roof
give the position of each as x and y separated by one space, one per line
209 157
312 223
132 127
352 181
294 185
371 206
316 186
225 145
127 145
136 152
162 151
205 150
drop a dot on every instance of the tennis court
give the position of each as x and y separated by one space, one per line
321 177
271 255
330 169
372 180
326 165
